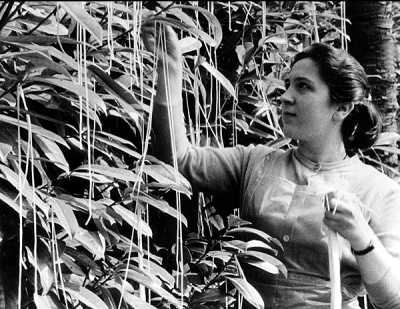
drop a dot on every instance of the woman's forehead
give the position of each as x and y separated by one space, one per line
305 68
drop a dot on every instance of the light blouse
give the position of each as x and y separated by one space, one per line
282 194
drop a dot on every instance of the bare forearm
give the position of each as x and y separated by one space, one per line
168 120
381 276
169 82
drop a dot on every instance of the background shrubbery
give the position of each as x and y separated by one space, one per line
99 218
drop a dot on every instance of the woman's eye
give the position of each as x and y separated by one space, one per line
303 86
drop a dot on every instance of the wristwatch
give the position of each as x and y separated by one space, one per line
368 249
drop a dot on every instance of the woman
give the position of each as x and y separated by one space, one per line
325 108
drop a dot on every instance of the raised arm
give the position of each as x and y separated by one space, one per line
168 120
207 168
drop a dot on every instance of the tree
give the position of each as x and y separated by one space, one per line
372 44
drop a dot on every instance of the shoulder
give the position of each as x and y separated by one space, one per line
373 182
263 152
376 178
264 157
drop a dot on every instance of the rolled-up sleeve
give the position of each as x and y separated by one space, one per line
208 169
386 223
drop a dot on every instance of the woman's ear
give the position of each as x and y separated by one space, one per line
342 111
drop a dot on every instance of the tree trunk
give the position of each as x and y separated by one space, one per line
373 46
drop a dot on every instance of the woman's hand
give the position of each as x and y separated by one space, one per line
162 40
345 217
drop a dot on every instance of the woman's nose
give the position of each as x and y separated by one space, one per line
286 97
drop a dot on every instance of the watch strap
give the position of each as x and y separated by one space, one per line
368 249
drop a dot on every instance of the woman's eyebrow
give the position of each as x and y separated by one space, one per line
302 79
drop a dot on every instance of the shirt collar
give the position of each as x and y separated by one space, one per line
323 166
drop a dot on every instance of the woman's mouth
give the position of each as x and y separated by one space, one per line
288 114
288 117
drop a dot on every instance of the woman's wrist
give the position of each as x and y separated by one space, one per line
367 249
363 241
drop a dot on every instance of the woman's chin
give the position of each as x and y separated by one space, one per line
289 132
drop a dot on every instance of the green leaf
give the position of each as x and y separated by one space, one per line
219 76
162 206
235 221
222 255
41 60
85 19
7 141
35 129
51 27
185 27
253 260
148 281
64 57
133 220
113 172
46 302
122 94
52 152
70 263
37 39
48 50
43 265
261 256
11 202
387 138
65 215
85 296
189 44
95 178
136 302
118 146
38 59
210 295
213 21
255 232
27 191
108 298
157 270
258 244
167 175
81 204
92 241
73 87
248 292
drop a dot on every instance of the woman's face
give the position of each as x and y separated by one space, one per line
306 107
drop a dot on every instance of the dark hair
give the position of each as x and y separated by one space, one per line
347 83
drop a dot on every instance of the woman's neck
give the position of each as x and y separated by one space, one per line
331 152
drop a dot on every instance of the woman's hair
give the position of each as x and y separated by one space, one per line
347 83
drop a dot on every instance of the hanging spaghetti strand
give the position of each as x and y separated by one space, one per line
19 200
179 242
33 204
136 187
88 131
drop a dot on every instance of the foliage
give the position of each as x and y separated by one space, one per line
78 185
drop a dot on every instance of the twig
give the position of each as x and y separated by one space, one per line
118 37
42 21
103 17
5 16
164 9
130 29
212 281
9 89
3 5
16 9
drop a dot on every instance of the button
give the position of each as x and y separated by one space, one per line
286 238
